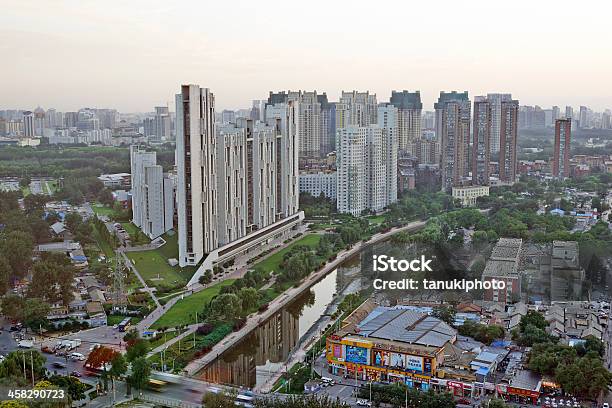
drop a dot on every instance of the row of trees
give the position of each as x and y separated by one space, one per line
579 370
14 374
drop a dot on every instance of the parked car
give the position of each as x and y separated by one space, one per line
76 374
364 403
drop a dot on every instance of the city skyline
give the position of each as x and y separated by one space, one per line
90 51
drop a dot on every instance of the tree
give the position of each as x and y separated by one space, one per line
533 318
35 314
12 366
205 278
99 358
118 368
73 386
25 181
249 297
73 221
226 307
17 247
587 377
12 404
52 281
219 400
13 306
35 203
141 370
6 273
138 348
444 313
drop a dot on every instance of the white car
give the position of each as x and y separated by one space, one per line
605 405
364 403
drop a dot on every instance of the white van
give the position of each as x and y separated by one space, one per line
327 381
77 356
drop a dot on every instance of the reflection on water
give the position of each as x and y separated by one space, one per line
266 349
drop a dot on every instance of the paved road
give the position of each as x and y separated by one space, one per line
255 319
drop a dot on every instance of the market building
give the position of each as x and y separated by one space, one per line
389 344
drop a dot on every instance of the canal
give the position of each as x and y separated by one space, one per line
266 349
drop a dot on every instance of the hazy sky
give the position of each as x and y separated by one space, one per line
134 54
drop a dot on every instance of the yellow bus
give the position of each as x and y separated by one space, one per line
157 385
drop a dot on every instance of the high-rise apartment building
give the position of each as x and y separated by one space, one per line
71 119
569 112
481 143
328 125
238 183
563 138
356 109
162 124
309 119
453 119
389 120
409 107
228 116
556 113
152 194
28 124
495 100
366 174
583 118
508 159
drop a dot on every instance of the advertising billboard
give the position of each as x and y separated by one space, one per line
414 363
357 355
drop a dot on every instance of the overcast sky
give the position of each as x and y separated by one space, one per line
134 54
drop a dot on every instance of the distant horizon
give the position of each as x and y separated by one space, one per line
247 105
132 56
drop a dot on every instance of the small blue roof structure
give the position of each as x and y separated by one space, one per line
557 211
482 371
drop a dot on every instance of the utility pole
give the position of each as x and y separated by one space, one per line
32 366
25 376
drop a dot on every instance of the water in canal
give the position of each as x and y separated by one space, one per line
267 348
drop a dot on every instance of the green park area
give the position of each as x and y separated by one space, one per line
273 262
103 210
183 311
154 268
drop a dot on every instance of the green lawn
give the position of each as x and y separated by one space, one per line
153 264
272 262
103 244
182 311
154 268
375 219
100 209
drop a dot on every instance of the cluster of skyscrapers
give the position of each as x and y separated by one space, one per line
237 182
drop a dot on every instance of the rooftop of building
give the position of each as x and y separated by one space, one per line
507 249
500 268
407 326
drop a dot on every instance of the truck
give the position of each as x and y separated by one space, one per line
26 344
70 344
